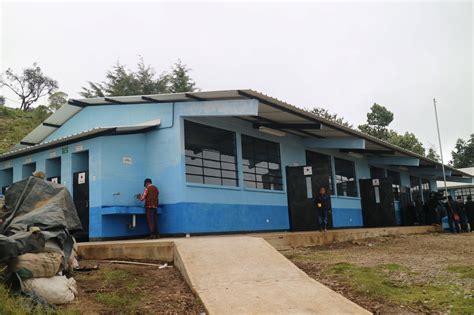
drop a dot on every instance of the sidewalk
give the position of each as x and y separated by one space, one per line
246 275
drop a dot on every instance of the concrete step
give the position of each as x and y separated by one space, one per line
246 275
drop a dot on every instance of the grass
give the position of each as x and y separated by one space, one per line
124 295
378 283
15 124
463 271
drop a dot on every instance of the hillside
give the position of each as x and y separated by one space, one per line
15 124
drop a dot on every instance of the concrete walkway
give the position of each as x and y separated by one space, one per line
246 275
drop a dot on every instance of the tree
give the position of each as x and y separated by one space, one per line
378 120
56 100
179 79
2 100
433 155
120 81
463 155
29 86
322 112
407 141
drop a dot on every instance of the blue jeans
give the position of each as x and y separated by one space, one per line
323 218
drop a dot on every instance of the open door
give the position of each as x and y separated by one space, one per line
81 201
378 204
303 183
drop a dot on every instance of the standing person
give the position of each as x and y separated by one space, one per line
432 206
451 208
323 206
150 196
461 209
420 214
470 212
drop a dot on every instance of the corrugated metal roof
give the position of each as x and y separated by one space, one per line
270 108
92 133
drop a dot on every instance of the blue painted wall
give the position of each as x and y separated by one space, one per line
118 164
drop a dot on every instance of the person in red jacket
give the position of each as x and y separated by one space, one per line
150 196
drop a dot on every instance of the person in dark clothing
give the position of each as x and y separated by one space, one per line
150 196
432 206
461 213
420 214
323 206
470 212
451 209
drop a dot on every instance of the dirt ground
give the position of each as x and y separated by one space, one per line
132 289
430 273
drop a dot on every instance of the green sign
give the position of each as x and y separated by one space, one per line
65 150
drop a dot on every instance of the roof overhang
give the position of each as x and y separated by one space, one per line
89 134
272 114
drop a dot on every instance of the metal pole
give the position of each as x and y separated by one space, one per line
440 149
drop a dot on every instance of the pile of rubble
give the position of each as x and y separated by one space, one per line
37 251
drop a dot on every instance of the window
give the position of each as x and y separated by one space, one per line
261 164
377 172
395 177
321 164
210 155
414 187
345 178
464 193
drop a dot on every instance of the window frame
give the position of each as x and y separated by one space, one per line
268 158
206 170
339 182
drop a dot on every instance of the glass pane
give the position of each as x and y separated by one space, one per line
262 158
194 179
345 178
212 181
213 148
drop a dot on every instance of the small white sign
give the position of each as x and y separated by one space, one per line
375 182
54 180
28 160
377 194
307 170
81 178
127 160
79 147
52 154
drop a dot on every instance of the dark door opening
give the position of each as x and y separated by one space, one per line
80 188
377 201
27 170
303 183
53 170
6 179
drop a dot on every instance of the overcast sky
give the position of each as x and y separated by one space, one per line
342 55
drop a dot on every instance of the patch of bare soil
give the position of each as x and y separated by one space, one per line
426 259
132 289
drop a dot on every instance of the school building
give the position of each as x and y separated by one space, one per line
224 161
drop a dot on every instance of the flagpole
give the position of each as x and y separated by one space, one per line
440 148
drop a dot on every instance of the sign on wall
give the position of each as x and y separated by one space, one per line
127 160
81 178
52 154
79 147
64 150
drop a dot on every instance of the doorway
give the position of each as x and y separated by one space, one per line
53 170
378 204
6 179
27 170
303 183
80 188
